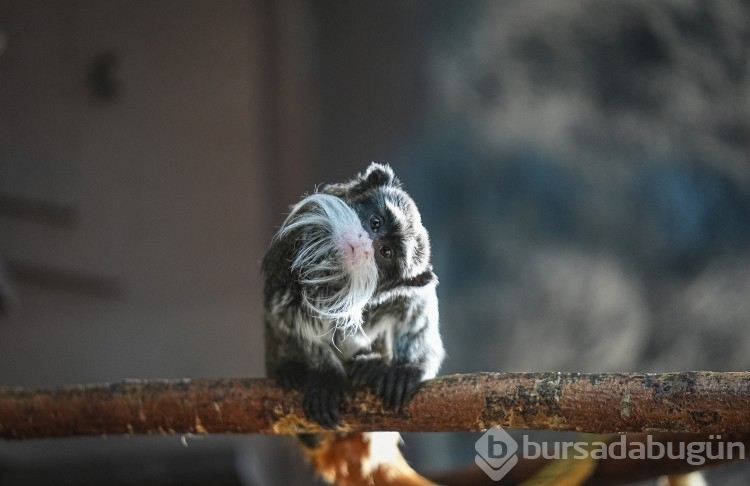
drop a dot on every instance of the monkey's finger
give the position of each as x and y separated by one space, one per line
327 420
358 365
361 375
314 410
356 381
378 384
399 386
409 383
389 388
363 372
311 406
333 410
411 388
326 409
324 418
356 375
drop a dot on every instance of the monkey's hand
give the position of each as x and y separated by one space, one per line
394 383
324 394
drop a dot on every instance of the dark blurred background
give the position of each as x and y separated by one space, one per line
583 169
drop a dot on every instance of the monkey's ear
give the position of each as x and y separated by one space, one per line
378 175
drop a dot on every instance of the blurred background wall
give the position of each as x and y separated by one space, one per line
582 168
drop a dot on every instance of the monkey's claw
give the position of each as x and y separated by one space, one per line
399 385
324 395
366 371
394 384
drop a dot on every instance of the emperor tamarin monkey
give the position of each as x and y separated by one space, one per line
350 296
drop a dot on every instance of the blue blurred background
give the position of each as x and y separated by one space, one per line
583 169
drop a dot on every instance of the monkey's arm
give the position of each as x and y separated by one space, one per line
412 350
296 359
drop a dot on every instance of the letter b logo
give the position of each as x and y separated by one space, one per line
497 449
496 453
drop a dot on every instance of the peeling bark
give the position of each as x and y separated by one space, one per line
698 402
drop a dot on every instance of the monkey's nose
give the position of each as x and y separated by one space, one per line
357 247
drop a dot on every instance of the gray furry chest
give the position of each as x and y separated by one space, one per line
382 320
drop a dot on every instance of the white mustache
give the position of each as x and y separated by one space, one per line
327 223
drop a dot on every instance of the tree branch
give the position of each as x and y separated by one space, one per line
703 402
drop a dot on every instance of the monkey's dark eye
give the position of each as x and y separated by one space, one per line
386 251
375 222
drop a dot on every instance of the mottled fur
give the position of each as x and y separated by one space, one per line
350 296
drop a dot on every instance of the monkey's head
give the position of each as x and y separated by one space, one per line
354 240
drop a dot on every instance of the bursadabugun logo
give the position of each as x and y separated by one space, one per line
496 450
496 453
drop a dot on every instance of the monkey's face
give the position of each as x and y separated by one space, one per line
354 239
399 241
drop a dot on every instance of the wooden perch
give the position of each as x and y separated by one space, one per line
703 402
